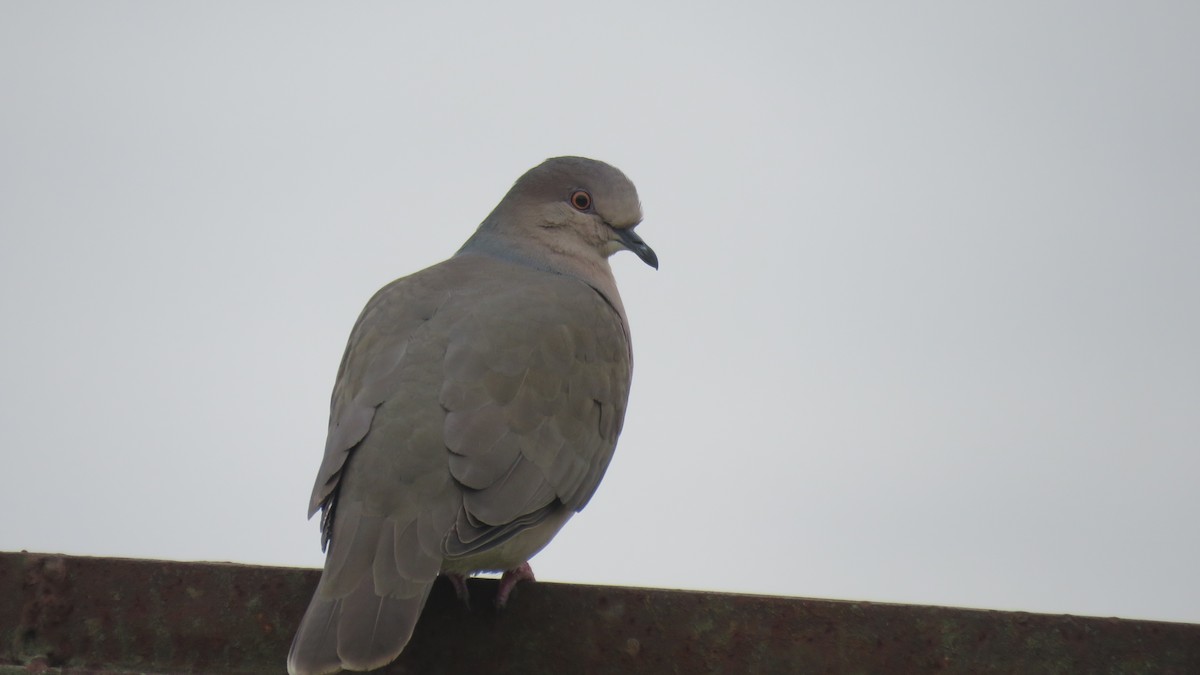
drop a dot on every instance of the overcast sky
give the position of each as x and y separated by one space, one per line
927 327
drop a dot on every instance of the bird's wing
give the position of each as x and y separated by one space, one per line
536 382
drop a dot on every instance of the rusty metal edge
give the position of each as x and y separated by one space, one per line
71 614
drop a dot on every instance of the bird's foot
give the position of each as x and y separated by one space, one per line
459 582
509 581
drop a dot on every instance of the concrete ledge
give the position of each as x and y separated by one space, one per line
64 614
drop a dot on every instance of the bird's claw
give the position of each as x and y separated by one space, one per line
459 582
509 581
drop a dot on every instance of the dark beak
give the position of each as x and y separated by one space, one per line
640 249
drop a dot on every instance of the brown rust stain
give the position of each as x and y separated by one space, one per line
72 614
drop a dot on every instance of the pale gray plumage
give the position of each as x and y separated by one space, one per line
475 410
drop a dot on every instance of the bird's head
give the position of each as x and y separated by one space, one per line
574 207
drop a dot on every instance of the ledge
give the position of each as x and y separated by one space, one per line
65 614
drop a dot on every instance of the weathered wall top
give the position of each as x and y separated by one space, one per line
63 614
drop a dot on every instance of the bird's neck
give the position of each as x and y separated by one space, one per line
592 270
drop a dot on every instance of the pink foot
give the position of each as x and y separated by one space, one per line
510 580
460 588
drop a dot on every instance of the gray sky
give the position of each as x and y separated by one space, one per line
925 330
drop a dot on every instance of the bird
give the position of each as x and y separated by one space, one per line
475 410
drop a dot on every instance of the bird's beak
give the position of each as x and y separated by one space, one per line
634 243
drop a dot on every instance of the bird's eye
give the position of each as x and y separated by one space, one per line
581 200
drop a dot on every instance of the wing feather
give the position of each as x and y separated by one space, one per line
555 375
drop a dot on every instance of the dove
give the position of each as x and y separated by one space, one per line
475 410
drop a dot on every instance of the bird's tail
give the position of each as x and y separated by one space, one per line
360 631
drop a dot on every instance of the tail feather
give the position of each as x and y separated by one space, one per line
373 630
361 631
314 649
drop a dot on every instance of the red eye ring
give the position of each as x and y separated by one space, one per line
581 200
